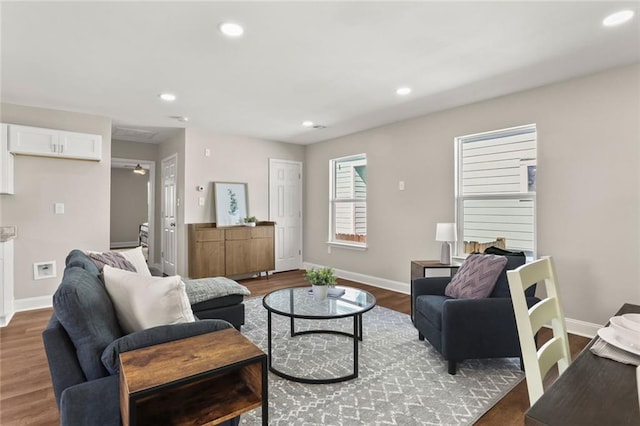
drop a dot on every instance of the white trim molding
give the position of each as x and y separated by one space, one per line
398 286
32 303
574 326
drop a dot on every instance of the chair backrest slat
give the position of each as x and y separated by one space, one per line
537 362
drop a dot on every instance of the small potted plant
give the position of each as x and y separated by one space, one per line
250 221
321 279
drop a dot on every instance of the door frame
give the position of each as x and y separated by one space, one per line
173 156
130 163
300 201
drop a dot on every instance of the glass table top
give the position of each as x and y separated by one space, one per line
299 302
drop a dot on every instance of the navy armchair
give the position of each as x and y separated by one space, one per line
468 328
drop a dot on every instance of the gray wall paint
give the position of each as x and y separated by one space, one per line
134 150
128 205
147 152
233 159
83 186
588 187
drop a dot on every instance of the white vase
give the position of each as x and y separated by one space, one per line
320 291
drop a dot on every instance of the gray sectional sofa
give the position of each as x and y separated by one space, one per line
82 342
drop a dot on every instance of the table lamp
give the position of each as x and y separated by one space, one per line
445 232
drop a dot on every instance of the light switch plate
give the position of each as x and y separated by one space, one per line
59 208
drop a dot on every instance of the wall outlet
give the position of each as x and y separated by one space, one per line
401 185
43 270
207 152
201 201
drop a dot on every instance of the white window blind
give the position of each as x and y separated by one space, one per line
496 190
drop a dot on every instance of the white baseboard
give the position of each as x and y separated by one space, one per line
5 319
32 303
574 326
582 328
124 244
366 279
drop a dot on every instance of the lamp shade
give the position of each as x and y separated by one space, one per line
446 232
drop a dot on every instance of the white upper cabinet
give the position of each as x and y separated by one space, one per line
54 143
6 162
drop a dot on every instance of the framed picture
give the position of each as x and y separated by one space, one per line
231 203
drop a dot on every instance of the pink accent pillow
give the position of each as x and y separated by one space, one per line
477 277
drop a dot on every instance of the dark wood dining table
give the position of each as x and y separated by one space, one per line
592 391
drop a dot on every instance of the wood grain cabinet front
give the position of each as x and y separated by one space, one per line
230 251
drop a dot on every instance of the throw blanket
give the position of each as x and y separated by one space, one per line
210 288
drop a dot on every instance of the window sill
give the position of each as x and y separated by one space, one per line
360 247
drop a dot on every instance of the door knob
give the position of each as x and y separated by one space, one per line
172 224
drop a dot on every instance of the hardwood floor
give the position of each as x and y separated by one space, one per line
26 394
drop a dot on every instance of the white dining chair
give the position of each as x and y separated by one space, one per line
538 362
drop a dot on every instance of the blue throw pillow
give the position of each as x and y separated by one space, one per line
84 309
155 336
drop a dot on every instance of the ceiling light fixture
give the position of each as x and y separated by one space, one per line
169 97
180 118
139 170
231 29
618 18
403 91
307 123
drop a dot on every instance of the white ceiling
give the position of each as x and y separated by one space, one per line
337 64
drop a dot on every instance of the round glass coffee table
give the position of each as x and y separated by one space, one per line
298 302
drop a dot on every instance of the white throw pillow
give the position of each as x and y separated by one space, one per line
136 257
143 302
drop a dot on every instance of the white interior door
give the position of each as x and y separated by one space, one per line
285 208
169 214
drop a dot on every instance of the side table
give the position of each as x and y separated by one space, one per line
433 268
204 380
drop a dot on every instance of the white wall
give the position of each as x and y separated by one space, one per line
40 182
588 187
232 159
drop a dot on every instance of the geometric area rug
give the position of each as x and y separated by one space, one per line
402 381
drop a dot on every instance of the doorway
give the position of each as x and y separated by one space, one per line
125 228
285 209
169 214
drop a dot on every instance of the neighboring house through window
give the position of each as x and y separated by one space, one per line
348 201
496 190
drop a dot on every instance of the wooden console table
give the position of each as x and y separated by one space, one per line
231 251
204 380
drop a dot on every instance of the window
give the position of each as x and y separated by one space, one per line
496 190
348 200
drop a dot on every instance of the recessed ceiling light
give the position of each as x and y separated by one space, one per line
231 29
403 91
169 97
618 18
307 123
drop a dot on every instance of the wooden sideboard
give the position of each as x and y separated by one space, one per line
230 251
